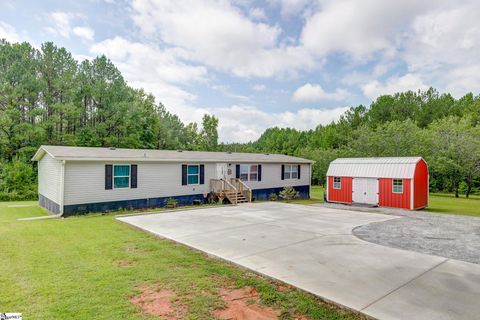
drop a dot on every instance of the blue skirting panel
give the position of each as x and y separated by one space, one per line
146 203
264 194
48 204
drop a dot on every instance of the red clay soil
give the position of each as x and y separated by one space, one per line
159 303
243 304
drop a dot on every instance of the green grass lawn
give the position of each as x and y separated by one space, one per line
439 202
74 268
447 203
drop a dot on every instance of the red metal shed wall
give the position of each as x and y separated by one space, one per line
386 198
420 185
340 195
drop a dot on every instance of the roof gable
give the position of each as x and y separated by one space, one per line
391 167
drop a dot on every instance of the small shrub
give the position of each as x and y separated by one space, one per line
288 193
171 202
273 196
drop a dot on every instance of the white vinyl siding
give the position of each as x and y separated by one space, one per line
49 178
85 181
272 177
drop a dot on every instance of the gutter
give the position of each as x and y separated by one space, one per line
62 200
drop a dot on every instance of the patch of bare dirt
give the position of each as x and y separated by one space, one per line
134 250
284 287
243 304
161 303
125 263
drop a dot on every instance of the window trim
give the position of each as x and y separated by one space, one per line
249 172
339 183
129 175
393 186
193 174
293 169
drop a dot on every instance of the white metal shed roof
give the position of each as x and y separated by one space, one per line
398 167
118 154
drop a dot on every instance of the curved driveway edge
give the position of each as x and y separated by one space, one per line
313 249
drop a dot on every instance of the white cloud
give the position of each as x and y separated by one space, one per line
218 35
148 62
8 33
359 28
247 123
314 93
258 14
159 71
61 23
84 33
412 82
259 87
444 45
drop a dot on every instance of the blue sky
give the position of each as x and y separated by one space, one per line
258 64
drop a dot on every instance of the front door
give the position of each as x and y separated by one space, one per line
222 171
365 190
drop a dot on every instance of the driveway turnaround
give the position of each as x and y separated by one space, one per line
313 248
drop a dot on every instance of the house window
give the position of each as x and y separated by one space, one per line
337 183
290 171
121 176
397 186
249 172
193 174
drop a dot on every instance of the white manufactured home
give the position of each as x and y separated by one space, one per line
75 180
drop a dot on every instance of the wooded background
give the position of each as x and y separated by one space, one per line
47 97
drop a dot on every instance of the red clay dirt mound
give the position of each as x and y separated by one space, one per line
243 304
159 303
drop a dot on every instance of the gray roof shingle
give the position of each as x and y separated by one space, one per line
119 154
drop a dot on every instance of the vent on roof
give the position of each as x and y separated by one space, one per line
113 148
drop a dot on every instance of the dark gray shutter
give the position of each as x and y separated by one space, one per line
259 172
283 172
299 171
184 174
133 176
108 176
202 174
237 171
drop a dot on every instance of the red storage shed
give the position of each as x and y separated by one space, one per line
400 182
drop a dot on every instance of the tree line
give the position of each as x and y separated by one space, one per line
47 97
443 130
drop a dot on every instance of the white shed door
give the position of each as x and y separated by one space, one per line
365 190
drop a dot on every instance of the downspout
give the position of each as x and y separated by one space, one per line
62 192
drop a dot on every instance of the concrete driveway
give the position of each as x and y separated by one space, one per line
313 248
